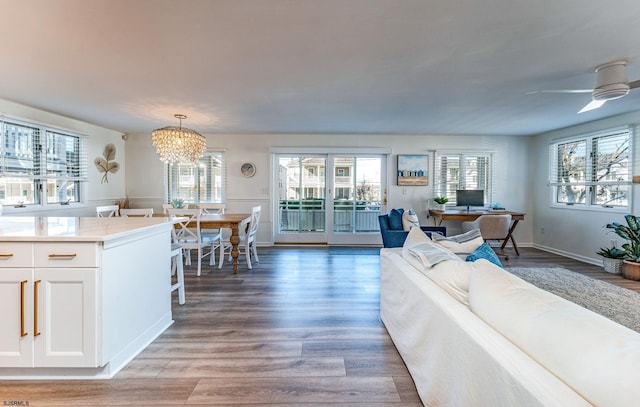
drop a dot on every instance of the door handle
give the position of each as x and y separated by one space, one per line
23 333
35 308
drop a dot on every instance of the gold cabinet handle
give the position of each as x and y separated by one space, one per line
23 283
62 256
35 308
6 255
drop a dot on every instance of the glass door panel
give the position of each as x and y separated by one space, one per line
301 199
358 188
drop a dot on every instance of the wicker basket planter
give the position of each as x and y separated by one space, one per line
631 270
613 266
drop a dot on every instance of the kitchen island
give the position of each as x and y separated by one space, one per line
81 297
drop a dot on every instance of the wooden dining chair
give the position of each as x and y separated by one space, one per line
189 235
137 212
107 211
247 244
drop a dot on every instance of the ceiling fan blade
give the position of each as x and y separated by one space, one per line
594 104
634 84
560 91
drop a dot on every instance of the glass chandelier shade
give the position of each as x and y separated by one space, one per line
178 144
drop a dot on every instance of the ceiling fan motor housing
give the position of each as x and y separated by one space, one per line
611 81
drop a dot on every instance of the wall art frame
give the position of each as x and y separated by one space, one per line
413 170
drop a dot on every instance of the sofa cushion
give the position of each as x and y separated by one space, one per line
409 220
395 219
484 251
463 243
595 356
453 276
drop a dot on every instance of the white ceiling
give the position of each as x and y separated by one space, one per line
317 66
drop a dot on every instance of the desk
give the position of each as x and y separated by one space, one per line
227 220
439 216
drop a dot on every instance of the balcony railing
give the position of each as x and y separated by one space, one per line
309 216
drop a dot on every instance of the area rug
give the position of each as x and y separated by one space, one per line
616 303
353 250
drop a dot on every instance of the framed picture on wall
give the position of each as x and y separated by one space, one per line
413 170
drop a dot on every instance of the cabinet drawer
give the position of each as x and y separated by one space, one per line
16 254
66 255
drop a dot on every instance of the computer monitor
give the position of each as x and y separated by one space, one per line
469 197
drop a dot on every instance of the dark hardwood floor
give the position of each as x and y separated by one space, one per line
301 328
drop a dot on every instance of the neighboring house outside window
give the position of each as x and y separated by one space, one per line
463 170
592 170
200 183
41 165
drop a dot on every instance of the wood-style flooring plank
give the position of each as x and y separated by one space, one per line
295 390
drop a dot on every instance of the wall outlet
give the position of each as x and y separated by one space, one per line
614 243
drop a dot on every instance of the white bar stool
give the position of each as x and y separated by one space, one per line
177 268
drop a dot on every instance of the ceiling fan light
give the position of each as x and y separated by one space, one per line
610 92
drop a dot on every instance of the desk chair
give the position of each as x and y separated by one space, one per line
107 211
492 227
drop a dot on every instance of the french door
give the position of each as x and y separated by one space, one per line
329 198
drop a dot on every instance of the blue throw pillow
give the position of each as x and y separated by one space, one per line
395 219
484 251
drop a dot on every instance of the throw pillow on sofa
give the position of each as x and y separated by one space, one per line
409 220
484 251
463 243
422 253
395 219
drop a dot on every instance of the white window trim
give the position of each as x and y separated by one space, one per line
588 206
437 190
44 128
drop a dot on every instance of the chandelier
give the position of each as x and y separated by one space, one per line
178 144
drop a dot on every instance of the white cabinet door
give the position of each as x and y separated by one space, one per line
16 323
65 317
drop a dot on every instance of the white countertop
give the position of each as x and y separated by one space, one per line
94 229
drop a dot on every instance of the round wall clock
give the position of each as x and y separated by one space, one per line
248 169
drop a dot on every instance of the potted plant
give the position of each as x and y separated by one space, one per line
631 234
440 201
612 259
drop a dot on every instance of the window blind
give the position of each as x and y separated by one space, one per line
205 182
466 170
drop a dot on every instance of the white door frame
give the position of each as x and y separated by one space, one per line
328 236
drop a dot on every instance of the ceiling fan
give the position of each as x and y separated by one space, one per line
611 83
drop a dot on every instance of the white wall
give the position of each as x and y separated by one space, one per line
98 137
145 171
574 233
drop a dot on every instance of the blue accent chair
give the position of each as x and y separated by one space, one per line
393 237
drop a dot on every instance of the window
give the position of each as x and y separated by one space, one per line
40 165
204 182
592 170
465 170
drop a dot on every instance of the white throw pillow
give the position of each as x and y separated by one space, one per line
464 243
409 220
597 357
422 253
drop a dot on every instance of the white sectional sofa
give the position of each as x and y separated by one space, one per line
512 345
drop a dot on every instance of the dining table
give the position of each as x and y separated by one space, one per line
231 221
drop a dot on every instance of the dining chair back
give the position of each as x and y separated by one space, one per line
188 234
107 211
166 207
212 207
247 244
137 212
